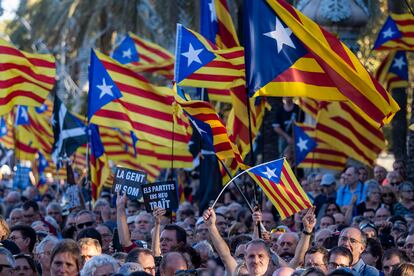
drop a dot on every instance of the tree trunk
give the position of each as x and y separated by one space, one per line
399 125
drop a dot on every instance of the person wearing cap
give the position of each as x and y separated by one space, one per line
328 184
201 230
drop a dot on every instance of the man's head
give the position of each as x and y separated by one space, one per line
321 236
328 184
392 258
326 221
55 211
16 216
351 174
85 219
399 166
144 222
100 205
221 224
286 243
257 257
201 231
7 262
106 235
379 173
30 212
409 247
89 248
171 262
317 256
339 257
171 236
144 258
382 214
339 218
354 240
100 265
284 271
24 237
43 251
268 220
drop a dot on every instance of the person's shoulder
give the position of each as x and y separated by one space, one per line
371 271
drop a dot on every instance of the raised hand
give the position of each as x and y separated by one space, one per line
120 201
209 217
158 213
309 220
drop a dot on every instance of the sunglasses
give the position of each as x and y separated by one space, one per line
279 229
4 266
83 225
386 194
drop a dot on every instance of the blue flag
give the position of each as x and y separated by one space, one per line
208 20
97 148
126 52
3 127
190 55
270 46
22 115
42 163
102 89
41 109
388 32
399 65
303 144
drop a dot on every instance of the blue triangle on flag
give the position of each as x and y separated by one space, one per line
303 144
190 54
270 171
134 139
205 132
97 148
388 32
3 127
102 89
22 116
42 163
126 52
41 109
208 20
270 46
399 65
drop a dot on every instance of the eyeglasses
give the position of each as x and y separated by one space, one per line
409 246
278 229
14 238
4 266
386 194
399 230
149 268
333 265
395 183
351 240
186 272
86 224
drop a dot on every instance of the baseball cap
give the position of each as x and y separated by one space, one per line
327 179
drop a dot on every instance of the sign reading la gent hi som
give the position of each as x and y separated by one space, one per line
129 182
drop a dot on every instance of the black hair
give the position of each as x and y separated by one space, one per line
27 232
375 249
31 204
133 255
342 251
180 233
89 233
29 260
319 249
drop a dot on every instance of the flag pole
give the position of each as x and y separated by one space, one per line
237 185
409 7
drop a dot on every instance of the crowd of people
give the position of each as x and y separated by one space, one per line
357 226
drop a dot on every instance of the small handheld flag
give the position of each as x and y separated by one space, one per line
280 185
304 144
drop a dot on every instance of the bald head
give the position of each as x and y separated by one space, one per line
283 271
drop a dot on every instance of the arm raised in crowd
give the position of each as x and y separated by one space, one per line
218 242
121 221
156 248
309 222
349 211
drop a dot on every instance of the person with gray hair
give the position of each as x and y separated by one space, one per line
128 268
55 211
43 251
100 265
7 262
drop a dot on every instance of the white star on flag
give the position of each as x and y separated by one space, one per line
127 53
192 55
270 173
302 144
3 129
200 130
23 114
399 63
281 35
105 89
212 7
388 33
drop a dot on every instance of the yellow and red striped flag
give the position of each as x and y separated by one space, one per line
396 33
393 71
144 56
332 71
199 63
281 187
340 126
119 97
25 78
324 155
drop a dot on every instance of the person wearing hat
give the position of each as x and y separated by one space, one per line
328 184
